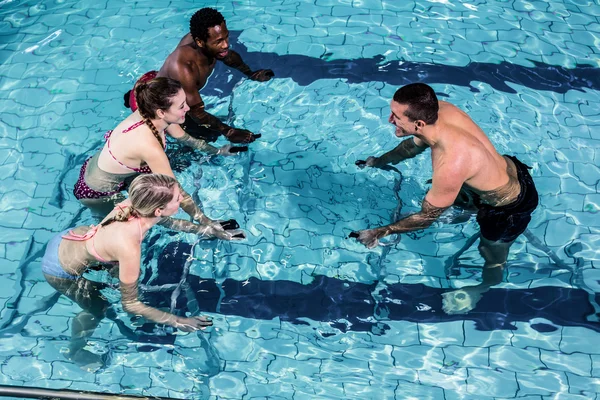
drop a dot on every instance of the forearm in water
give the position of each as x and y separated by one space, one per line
414 222
192 209
132 305
182 225
198 144
203 118
405 150
234 60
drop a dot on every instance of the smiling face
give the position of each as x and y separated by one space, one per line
176 113
404 126
217 44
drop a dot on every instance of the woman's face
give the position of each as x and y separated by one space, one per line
176 113
172 207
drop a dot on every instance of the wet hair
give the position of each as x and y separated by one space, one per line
202 20
147 193
421 100
153 95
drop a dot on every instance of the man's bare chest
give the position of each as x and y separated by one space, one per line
204 71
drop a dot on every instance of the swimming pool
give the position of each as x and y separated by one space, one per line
300 311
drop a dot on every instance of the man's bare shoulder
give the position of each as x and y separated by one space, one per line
450 111
185 59
451 158
182 58
455 120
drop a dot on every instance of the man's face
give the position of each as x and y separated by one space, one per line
217 44
404 126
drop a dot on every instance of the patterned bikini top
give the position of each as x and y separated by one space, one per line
142 170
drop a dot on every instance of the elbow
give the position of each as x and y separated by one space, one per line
126 308
427 223
130 306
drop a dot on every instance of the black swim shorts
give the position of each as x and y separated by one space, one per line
507 222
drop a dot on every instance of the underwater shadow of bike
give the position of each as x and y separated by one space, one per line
350 306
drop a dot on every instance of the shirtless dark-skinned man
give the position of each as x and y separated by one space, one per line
192 62
465 164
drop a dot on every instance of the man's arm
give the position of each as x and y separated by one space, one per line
447 182
234 60
188 78
408 148
203 118
414 222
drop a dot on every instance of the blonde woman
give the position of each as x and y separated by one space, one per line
116 240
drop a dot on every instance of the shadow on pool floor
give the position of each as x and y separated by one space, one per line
305 70
349 305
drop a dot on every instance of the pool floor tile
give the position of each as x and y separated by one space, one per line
71 88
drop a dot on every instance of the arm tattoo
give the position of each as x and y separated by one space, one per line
421 220
408 148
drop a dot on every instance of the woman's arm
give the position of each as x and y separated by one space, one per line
177 132
129 272
193 210
159 164
214 230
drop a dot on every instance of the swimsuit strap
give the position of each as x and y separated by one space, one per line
96 255
82 238
115 158
88 235
143 169
139 123
132 127
92 232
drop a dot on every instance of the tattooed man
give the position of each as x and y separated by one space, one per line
465 166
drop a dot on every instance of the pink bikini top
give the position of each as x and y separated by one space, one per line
90 235
142 170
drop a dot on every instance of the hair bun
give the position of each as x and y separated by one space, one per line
142 85
133 212
123 213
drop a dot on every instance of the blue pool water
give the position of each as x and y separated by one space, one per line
300 311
